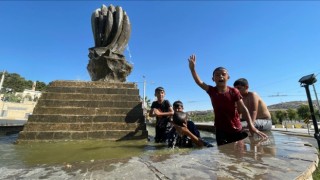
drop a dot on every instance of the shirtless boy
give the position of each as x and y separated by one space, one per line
258 110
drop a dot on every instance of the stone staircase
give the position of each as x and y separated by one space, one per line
76 110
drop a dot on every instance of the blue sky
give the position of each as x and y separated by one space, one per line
272 44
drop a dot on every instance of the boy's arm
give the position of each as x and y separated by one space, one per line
184 130
157 112
151 113
254 107
192 64
245 113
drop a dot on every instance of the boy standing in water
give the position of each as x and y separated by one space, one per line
260 115
162 110
226 102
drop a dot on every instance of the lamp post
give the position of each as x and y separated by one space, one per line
305 82
2 79
144 92
317 101
144 103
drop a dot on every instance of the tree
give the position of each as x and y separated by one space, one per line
148 102
19 84
41 86
281 115
10 97
304 111
292 114
274 118
15 82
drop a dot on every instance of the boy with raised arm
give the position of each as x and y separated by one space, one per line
226 102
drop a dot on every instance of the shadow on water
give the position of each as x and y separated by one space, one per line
47 153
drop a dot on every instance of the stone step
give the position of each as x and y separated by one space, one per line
90 103
52 118
27 136
90 90
88 111
37 126
93 84
81 96
75 110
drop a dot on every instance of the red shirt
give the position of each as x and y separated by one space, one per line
225 109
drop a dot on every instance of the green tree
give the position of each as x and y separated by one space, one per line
15 82
148 102
10 97
41 86
304 111
202 117
292 114
19 84
274 118
281 115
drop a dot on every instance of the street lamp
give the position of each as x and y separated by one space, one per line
144 93
1 81
305 81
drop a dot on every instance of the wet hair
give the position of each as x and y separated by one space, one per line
241 82
158 89
178 103
218 69
179 118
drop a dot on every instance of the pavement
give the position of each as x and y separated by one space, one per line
295 131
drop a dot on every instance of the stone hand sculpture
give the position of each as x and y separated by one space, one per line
111 31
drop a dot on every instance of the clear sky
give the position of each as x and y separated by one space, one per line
272 44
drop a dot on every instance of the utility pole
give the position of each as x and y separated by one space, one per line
305 81
2 79
144 93
315 92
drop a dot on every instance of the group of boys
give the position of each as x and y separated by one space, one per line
236 110
168 118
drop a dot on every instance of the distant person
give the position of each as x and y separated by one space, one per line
226 101
258 110
162 110
192 136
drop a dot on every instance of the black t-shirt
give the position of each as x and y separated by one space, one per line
163 107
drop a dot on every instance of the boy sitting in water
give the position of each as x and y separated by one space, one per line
179 120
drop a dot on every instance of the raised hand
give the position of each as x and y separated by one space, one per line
192 61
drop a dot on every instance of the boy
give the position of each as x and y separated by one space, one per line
192 134
226 101
162 110
259 113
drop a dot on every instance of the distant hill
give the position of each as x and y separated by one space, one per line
288 105
274 107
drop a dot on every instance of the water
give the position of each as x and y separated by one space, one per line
44 153
12 122
146 160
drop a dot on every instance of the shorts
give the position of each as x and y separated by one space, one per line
225 138
260 124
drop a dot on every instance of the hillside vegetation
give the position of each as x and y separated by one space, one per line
293 110
289 105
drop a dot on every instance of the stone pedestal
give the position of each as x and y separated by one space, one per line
73 110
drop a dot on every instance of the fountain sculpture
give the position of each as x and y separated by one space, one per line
105 108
